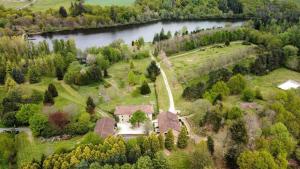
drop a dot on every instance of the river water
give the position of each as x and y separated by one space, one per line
104 36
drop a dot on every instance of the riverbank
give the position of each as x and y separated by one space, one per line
107 28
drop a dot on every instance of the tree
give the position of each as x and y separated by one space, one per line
90 105
161 141
144 162
200 157
145 89
183 138
237 84
169 140
160 161
232 155
137 118
227 43
248 95
91 138
52 90
210 145
38 123
256 159
18 75
153 71
9 119
9 83
234 113
26 112
59 119
48 99
34 75
239 132
63 12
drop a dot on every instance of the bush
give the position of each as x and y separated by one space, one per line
248 95
194 92
258 94
26 112
237 84
9 119
234 113
76 128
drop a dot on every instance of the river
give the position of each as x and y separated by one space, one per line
104 36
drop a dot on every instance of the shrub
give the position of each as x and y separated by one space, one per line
183 138
169 140
26 112
234 113
258 94
52 90
237 84
248 95
9 119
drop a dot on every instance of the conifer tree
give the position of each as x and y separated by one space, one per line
48 99
145 89
183 138
90 105
52 90
169 140
210 145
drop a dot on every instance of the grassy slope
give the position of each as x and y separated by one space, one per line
120 92
110 2
186 67
42 5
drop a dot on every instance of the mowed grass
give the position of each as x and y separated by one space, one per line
119 91
38 5
27 151
192 64
268 83
110 2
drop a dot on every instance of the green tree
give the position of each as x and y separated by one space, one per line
210 145
183 138
256 159
38 123
90 105
169 140
248 95
239 132
48 99
237 84
161 141
9 83
144 162
34 75
63 12
153 71
160 161
137 118
52 89
145 89
26 112
234 113
200 158
132 78
91 138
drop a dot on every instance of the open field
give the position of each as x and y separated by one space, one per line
110 2
27 151
192 64
43 5
119 91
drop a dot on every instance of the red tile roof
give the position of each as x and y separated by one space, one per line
167 120
128 110
105 127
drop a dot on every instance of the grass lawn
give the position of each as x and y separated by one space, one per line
268 83
27 151
110 2
43 5
192 64
179 160
120 92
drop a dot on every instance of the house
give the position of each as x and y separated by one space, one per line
124 113
105 127
166 121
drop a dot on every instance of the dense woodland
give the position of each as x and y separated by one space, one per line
81 15
274 28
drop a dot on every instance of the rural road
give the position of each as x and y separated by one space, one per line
171 99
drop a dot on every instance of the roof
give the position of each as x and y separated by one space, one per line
290 84
105 127
128 110
167 120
